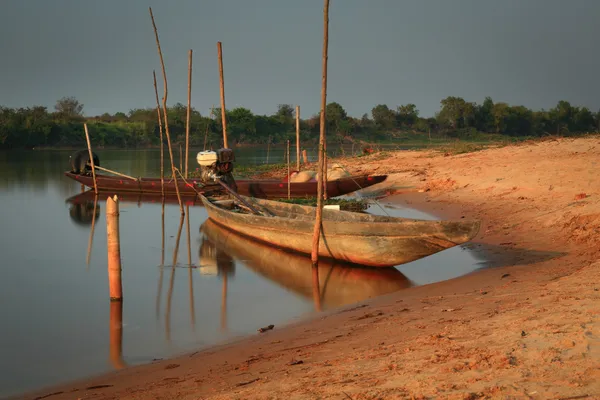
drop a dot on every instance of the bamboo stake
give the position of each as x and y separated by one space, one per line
180 158
325 170
189 107
160 131
268 148
87 138
319 214
222 85
162 63
298 138
114 249
288 166
305 156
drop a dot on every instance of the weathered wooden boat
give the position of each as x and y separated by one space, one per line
260 188
339 283
357 238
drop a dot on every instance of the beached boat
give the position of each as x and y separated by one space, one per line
352 237
260 188
339 283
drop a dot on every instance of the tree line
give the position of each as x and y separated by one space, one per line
63 127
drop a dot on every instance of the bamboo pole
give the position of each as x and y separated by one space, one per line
114 249
268 148
288 167
298 138
189 110
222 86
305 156
180 158
89 146
324 168
116 173
160 131
166 91
320 170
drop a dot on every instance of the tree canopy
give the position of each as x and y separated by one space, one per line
37 126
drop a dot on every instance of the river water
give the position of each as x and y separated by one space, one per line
205 288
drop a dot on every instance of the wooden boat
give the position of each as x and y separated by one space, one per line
339 284
260 188
357 238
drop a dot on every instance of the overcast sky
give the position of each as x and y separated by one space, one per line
393 52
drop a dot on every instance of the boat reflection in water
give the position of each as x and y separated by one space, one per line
338 284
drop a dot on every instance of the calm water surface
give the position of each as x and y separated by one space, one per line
55 308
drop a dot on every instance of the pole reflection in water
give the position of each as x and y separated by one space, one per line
190 275
170 293
215 261
116 334
331 284
162 261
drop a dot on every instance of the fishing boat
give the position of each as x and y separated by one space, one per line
352 237
339 283
259 188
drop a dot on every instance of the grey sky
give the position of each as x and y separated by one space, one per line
529 52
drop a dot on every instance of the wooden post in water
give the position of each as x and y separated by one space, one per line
166 91
320 170
298 138
160 132
222 86
189 109
305 156
89 146
288 167
114 249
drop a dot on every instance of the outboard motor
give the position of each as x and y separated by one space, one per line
217 165
80 162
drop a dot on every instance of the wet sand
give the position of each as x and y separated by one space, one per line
524 326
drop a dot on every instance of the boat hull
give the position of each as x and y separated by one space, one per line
261 188
355 238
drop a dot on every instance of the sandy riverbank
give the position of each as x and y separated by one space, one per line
525 326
